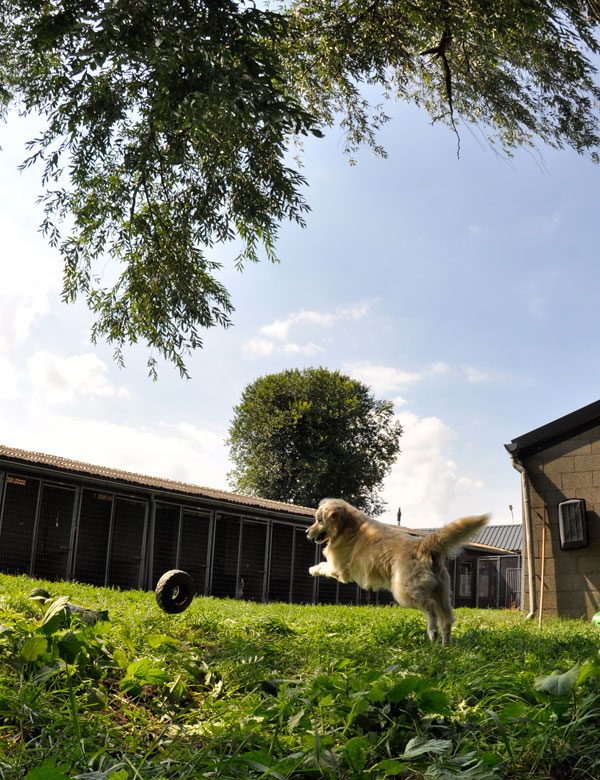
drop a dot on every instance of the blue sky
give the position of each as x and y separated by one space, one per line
465 290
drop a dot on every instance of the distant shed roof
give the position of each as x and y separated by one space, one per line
66 465
491 543
556 431
508 537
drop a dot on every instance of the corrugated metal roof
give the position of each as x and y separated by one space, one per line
142 480
477 543
489 537
509 537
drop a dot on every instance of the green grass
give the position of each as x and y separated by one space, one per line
232 689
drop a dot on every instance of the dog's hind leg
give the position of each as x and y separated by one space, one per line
444 611
429 608
446 619
417 600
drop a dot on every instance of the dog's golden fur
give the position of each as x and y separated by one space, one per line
376 555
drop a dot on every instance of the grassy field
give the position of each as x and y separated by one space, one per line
231 689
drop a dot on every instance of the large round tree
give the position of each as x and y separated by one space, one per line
304 435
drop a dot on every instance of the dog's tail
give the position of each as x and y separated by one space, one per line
449 539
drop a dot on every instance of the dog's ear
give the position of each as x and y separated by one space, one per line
334 512
333 515
320 513
337 517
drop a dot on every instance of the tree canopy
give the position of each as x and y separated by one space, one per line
167 126
303 435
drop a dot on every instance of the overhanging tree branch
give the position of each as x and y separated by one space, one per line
227 88
439 52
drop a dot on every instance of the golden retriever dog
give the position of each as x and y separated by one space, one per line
377 555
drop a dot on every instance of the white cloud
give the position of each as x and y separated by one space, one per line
302 349
273 337
382 379
258 348
279 329
537 225
207 440
9 386
262 348
476 375
387 379
61 379
172 450
25 292
537 306
31 271
466 483
425 480
440 367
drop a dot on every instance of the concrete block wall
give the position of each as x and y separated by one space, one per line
569 469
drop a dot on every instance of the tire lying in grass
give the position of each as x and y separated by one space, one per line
174 591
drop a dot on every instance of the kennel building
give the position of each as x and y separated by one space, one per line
559 468
487 573
62 519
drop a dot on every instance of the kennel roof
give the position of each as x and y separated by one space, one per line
508 537
66 466
556 431
491 539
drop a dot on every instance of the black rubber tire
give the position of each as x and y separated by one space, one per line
174 591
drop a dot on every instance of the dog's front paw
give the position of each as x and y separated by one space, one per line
314 570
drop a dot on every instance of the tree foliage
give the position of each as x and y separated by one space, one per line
303 435
519 71
167 126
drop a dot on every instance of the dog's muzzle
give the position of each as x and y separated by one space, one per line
319 538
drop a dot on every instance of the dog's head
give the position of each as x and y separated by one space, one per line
331 519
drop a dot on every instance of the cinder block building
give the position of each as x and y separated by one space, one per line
559 465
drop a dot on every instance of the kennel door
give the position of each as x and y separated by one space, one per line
253 555
126 558
194 547
53 533
279 581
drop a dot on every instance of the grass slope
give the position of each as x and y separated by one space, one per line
231 689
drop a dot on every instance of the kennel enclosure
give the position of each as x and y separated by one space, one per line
65 520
